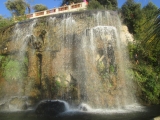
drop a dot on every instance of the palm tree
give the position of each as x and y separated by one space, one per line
153 38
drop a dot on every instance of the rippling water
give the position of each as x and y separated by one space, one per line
143 113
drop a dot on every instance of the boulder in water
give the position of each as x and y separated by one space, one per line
84 107
51 107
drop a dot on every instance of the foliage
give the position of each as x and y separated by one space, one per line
39 7
111 69
152 40
105 71
94 4
17 7
4 22
13 69
144 24
102 69
147 18
149 10
109 4
67 2
131 13
58 85
149 82
146 73
20 18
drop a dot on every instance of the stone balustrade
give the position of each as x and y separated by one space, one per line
62 9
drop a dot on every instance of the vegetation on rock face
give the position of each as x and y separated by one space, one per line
13 73
13 69
4 22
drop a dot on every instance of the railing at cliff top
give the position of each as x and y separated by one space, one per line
66 8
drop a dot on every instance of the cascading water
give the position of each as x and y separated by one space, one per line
15 98
105 84
74 57
94 59
20 37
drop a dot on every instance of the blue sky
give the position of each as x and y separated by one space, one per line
55 3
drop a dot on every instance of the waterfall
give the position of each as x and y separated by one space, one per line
20 42
79 58
101 58
15 98
95 59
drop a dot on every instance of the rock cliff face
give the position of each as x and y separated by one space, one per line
73 56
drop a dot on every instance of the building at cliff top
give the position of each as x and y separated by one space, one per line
65 8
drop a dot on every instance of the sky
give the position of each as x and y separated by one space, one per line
55 3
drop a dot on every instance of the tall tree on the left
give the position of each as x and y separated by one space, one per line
17 7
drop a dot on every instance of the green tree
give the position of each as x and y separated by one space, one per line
147 18
149 10
131 13
109 4
149 35
39 7
145 28
94 4
148 49
152 39
17 7
5 22
67 2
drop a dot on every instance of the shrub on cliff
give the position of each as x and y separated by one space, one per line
4 22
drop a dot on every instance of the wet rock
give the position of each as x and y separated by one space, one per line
14 103
50 107
4 107
84 107
19 103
